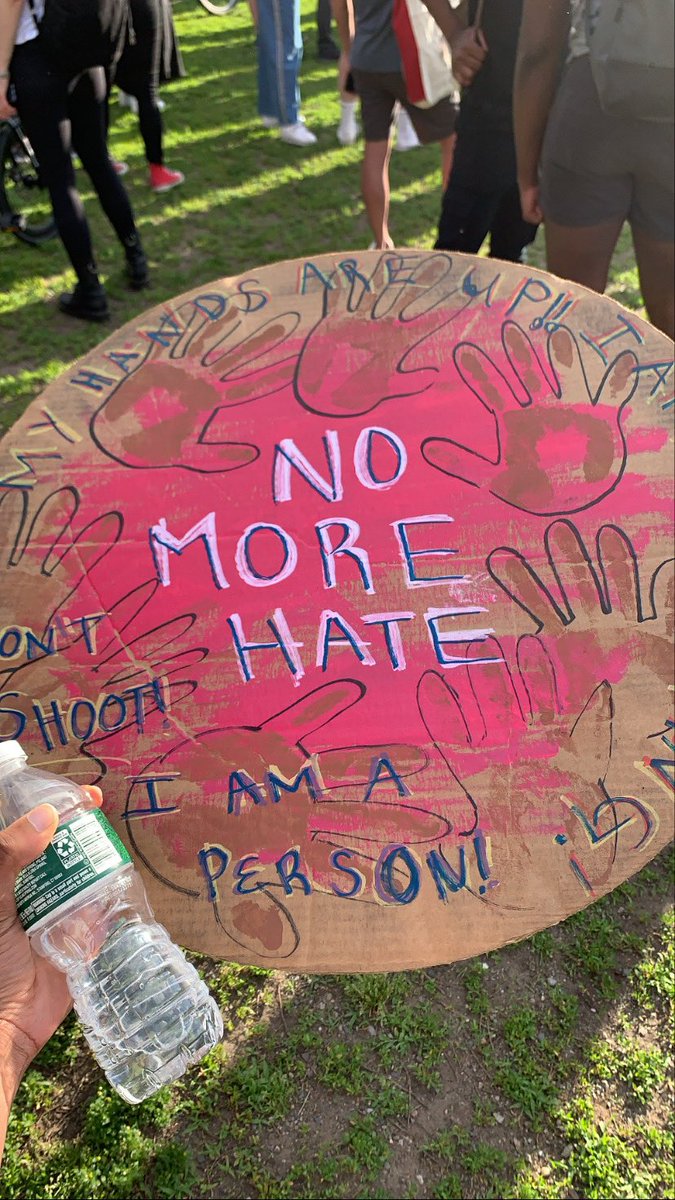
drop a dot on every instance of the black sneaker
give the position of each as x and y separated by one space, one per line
138 274
88 302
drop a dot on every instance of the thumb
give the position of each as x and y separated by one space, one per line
22 842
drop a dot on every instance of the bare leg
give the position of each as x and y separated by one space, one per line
656 265
447 155
582 254
253 5
375 189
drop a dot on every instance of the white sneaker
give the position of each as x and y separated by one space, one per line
297 135
269 122
406 138
131 102
348 129
128 101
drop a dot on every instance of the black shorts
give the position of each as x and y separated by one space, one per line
380 90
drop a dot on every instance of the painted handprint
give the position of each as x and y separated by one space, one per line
125 686
171 410
610 625
51 557
488 721
559 447
259 791
536 778
358 354
153 651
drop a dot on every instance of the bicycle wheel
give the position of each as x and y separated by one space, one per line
25 209
219 10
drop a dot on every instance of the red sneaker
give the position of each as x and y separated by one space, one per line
120 168
162 179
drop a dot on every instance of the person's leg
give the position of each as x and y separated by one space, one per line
348 129
406 138
86 107
150 121
138 74
471 197
289 58
656 266
279 59
509 233
435 124
378 102
43 108
326 46
447 155
375 190
268 92
582 254
652 217
466 216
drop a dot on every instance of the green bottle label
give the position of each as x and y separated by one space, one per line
81 851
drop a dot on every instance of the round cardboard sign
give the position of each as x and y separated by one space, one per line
352 580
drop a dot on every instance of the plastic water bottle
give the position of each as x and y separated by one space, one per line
145 1012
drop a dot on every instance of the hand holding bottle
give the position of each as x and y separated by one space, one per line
144 1010
34 996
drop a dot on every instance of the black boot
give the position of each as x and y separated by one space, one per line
88 301
138 274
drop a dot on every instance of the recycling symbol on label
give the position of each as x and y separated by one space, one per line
67 849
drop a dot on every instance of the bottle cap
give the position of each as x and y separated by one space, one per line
11 752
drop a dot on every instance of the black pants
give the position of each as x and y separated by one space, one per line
58 121
482 195
138 73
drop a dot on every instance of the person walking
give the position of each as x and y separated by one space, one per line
279 60
370 53
60 114
147 55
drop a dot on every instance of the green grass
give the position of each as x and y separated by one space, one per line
542 1071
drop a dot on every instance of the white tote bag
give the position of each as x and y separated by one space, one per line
425 54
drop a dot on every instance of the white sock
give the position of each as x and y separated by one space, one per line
347 108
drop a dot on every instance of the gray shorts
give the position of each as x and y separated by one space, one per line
378 92
597 168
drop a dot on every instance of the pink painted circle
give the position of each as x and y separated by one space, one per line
352 580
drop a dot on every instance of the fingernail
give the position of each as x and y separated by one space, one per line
43 817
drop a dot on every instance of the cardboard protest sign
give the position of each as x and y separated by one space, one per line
352 580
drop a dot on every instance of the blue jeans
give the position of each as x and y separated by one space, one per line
279 59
